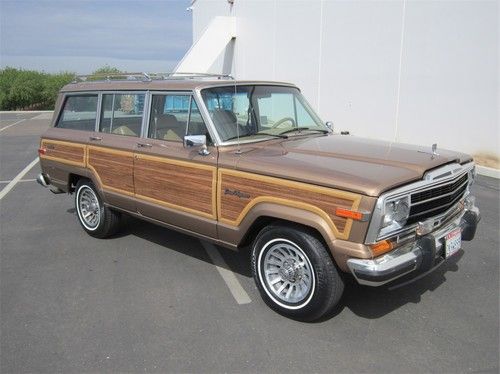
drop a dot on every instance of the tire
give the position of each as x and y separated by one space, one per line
96 219
302 281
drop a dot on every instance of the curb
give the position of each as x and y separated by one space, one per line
488 172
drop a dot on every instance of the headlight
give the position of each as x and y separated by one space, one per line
395 214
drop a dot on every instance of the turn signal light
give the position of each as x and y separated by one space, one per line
346 213
381 247
42 151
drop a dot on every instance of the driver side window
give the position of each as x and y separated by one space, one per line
174 116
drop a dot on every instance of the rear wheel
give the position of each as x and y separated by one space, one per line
294 272
96 219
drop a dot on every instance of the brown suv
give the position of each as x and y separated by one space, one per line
244 162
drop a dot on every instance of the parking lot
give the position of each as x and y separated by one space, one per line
153 300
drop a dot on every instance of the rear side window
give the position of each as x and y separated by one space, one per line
122 114
79 113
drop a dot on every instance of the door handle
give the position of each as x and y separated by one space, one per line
95 138
144 145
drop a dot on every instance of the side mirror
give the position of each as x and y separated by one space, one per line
329 124
197 141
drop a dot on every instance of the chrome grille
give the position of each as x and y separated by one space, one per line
437 200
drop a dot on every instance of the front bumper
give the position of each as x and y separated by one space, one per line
417 257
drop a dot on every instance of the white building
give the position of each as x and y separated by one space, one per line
419 72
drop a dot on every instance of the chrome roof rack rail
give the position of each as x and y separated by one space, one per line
148 77
106 77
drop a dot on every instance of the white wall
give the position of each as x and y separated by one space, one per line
416 71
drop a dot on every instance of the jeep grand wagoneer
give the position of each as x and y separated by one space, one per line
245 163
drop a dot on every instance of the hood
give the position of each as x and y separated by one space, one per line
349 163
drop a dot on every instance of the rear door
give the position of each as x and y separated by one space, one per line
111 147
176 184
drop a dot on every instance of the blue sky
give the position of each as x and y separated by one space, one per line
80 35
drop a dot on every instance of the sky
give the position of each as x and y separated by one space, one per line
82 35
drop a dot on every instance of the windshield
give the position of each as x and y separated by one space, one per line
257 111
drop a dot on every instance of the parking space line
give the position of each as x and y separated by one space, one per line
239 294
22 180
17 178
12 124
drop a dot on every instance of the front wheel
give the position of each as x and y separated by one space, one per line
96 218
294 272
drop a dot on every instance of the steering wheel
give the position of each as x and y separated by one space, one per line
283 120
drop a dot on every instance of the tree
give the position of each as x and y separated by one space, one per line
22 89
106 69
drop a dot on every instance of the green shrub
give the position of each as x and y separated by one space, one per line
28 89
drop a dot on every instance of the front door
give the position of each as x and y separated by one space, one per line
176 184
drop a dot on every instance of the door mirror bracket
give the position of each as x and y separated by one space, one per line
197 141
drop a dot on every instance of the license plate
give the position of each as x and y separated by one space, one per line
453 242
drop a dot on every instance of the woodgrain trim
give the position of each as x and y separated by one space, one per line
85 155
81 147
96 174
185 164
354 199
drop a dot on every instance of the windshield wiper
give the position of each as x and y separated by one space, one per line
324 131
259 133
275 135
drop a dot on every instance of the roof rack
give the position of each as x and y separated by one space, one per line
148 77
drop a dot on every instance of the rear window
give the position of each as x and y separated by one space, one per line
79 113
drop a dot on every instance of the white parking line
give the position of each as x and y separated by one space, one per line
239 294
12 124
17 178
22 180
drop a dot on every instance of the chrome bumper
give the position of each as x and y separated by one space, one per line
416 258
43 180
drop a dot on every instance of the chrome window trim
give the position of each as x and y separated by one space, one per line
195 93
212 128
119 92
150 103
76 93
98 115
192 95
206 116
189 115
145 114
431 179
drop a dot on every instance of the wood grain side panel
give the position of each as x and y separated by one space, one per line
323 201
65 152
176 184
114 169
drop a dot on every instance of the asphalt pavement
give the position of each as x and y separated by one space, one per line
153 300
